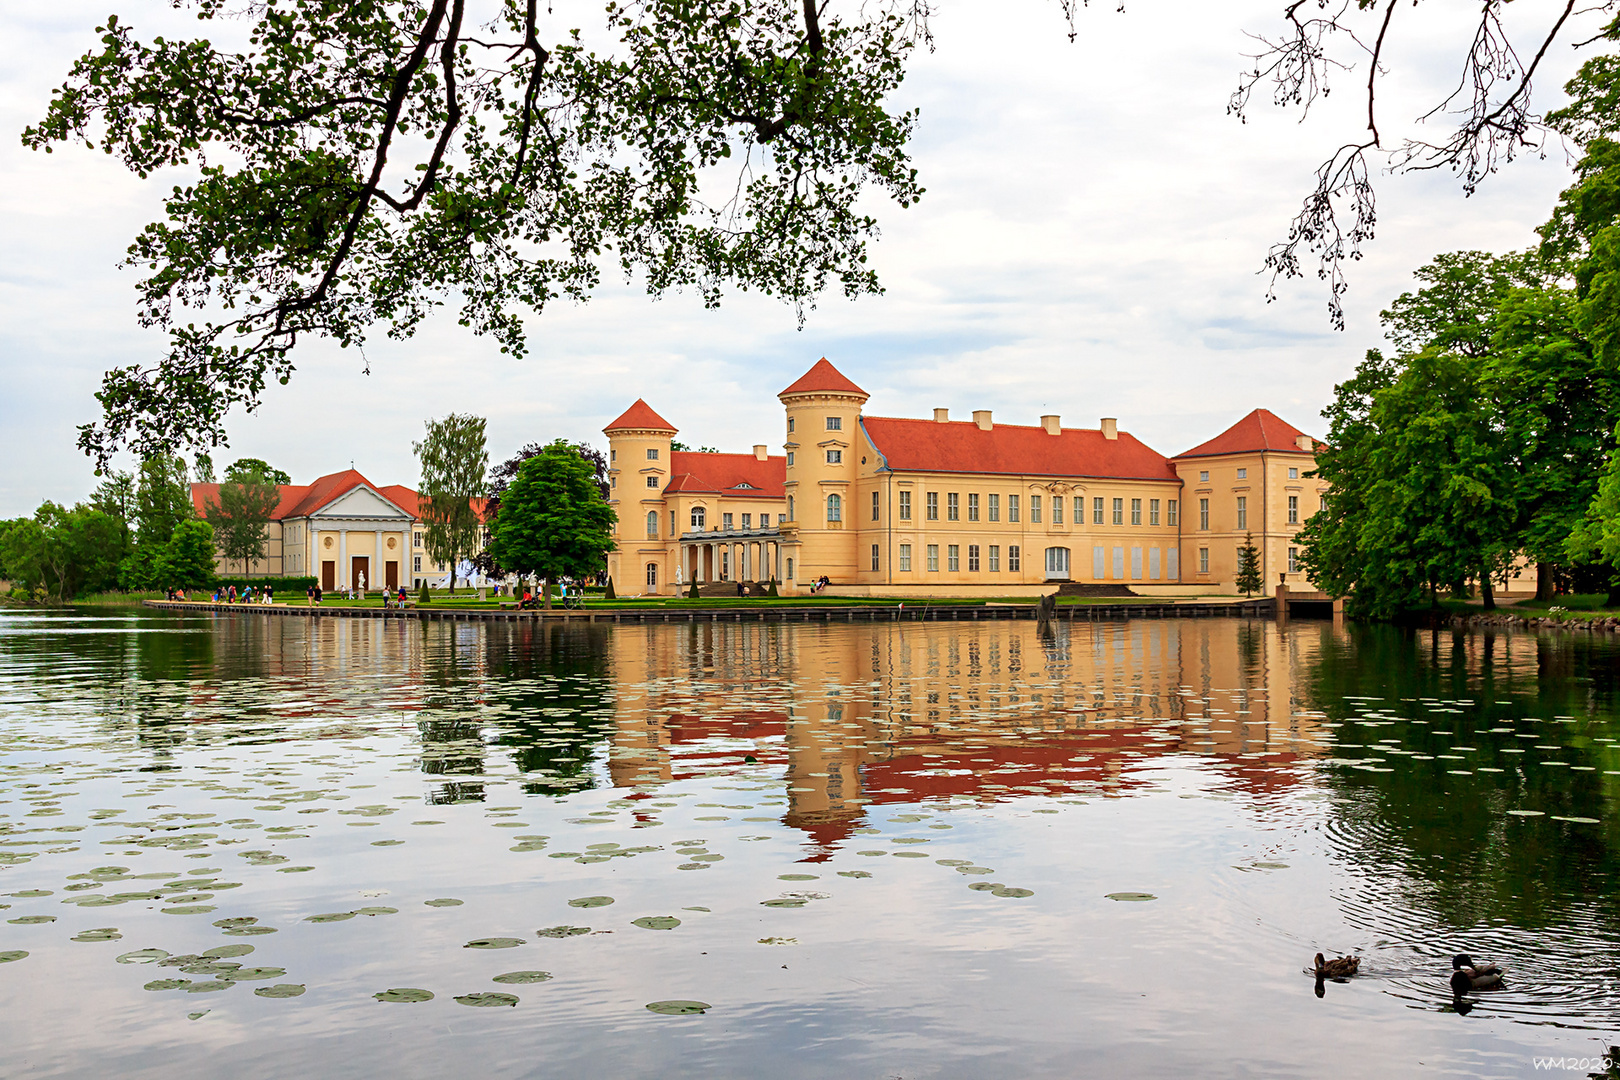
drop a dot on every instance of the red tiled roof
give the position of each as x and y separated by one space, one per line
960 446
823 378
719 474
640 416
1262 429
302 500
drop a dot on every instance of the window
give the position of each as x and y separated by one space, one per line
1136 511
1035 509
613 455
995 558
1293 509
1203 477
1203 560
652 524
953 558
652 576
613 482
973 507
1012 558
781 519
1057 509
790 516
835 508
790 431
953 510
933 505
993 507
725 522
748 521
905 506
1119 511
1293 560
698 516
1323 506
835 457
1012 510
1203 514
835 423
973 558
1243 474
790 459
874 556
875 507
652 453
1079 510
905 558
790 561
672 523
1243 512
1096 511
416 564
1153 511
1293 473
416 539
933 558
1099 561
1170 512
652 481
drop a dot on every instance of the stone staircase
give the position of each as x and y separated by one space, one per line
1080 588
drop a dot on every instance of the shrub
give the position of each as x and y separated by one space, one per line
692 593
772 590
422 593
609 594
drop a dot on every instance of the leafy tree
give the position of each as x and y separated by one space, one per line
162 499
501 477
22 552
554 521
188 558
64 552
241 516
453 457
676 446
252 466
1249 580
115 497
203 468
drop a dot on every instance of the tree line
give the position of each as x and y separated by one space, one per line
1486 438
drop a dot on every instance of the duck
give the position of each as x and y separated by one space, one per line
1467 976
1341 968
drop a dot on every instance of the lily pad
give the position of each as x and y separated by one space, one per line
31 920
974 870
1131 896
513 978
563 931
792 901
220 952
1270 865
494 943
591 901
443 901
403 993
657 922
235 922
188 909
280 990
983 886
678 1008
855 873
167 984
254 974
250 931
1007 890
209 987
332 916
105 933
8 955
487 999
797 877
377 911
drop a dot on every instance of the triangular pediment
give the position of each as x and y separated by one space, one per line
361 502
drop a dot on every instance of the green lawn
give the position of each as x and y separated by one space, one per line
470 602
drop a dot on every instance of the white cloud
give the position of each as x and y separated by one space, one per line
1088 245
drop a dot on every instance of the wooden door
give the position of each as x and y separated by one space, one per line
361 564
391 574
328 576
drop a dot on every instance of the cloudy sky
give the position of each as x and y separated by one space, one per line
1089 245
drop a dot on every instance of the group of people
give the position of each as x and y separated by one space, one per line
174 594
820 583
228 594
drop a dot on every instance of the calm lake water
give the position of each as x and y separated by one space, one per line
279 847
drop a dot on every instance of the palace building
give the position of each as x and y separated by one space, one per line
941 507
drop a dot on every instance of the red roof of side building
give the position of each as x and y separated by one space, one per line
640 416
961 446
823 378
302 500
1262 429
724 474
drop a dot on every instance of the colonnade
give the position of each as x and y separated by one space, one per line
731 560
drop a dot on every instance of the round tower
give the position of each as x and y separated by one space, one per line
643 559
823 424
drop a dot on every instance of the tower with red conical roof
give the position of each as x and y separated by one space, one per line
638 468
823 480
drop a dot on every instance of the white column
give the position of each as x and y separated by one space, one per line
342 578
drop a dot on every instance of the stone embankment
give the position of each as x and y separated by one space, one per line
1603 625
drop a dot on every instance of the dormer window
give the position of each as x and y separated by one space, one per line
740 487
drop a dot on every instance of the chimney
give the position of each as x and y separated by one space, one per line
1110 428
982 418
942 416
1305 443
1050 423
759 451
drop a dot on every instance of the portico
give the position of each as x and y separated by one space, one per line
731 555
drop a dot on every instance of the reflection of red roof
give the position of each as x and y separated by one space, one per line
823 378
302 500
1262 429
722 474
641 417
961 446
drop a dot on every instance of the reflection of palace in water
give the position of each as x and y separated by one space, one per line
894 713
